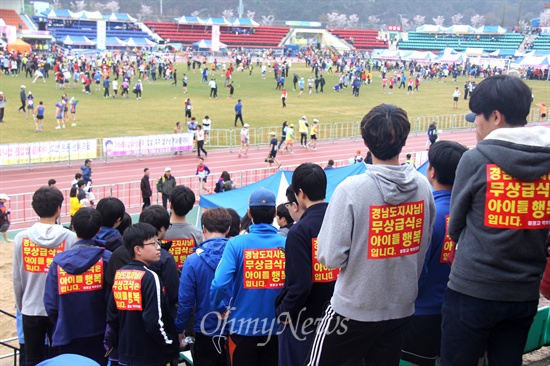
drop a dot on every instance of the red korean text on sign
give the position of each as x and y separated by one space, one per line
127 290
514 204
37 259
395 230
320 273
91 280
263 269
181 249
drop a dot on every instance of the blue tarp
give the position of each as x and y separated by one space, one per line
189 20
237 199
53 14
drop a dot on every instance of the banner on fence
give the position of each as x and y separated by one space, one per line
147 145
48 151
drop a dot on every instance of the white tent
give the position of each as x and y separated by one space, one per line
460 29
430 28
88 15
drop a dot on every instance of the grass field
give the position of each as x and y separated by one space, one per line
162 105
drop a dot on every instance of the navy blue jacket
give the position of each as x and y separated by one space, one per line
109 238
75 294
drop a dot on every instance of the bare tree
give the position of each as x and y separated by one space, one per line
477 20
545 18
373 20
56 4
195 13
439 20
522 25
332 19
228 14
267 20
457 18
419 20
145 12
250 14
112 6
353 20
78 5
405 22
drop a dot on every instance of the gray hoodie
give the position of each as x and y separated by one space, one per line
33 252
375 289
491 263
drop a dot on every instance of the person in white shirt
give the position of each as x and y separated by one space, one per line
206 125
245 140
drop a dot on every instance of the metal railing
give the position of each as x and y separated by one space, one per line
6 343
130 192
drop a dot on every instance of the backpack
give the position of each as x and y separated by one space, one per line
218 187
160 184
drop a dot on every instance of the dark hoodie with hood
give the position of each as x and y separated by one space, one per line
76 294
501 254
109 238
194 292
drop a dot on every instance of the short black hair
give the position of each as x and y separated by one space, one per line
216 220
385 130
235 223
86 223
73 192
290 196
444 156
87 161
46 200
504 93
311 179
262 214
51 182
137 234
145 170
182 199
78 176
282 213
111 209
157 216
124 223
331 162
80 183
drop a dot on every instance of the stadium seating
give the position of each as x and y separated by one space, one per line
363 39
12 18
542 43
437 42
88 28
187 34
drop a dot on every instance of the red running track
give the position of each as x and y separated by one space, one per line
17 180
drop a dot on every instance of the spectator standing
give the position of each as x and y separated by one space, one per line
252 299
112 212
423 342
145 188
308 286
23 98
146 334
198 272
33 251
495 277
78 310
4 217
165 185
2 106
245 140
376 319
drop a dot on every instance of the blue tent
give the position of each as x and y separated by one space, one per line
237 199
189 20
58 14
244 22
119 17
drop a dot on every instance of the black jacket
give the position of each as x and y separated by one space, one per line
302 291
145 187
146 334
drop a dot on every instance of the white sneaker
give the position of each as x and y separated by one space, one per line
58 128
63 126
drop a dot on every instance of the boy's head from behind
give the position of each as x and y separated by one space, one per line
182 200
443 159
112 211
385 130
310 179
47 201
157 216
86 223
216 220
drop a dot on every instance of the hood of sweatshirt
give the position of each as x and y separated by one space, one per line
507 148
49 236
109 238
396 183
79 259
211 250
